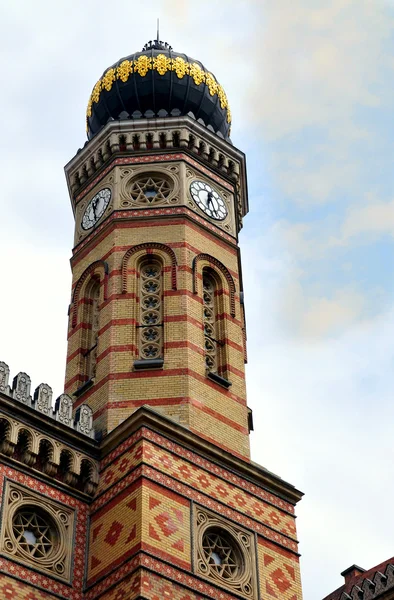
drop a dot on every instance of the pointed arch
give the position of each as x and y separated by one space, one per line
214 263
149 247
97 266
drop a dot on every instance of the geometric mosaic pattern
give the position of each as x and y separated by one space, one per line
176 450
279 573
202 480
142 516
168 524
113 532
159 577
10 589
26 575
151 586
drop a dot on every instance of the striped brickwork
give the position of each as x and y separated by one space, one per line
180 389
141 536
20 582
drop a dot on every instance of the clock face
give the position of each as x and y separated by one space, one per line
95 209
208 200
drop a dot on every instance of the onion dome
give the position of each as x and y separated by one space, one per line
158 82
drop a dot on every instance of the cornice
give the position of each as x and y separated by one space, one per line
97 154
149 418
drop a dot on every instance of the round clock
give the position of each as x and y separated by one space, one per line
208 200
95 209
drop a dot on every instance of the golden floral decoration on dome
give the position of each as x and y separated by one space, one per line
222 97
108 79
89 108
96 92
180 67
124 70
142 65
211 83
197 73
162 64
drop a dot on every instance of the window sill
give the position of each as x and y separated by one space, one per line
149 363
220 380
82 389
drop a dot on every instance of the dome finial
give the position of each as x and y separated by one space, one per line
157 44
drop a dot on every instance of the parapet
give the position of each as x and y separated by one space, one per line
41 401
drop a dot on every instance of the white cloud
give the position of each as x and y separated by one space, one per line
377 219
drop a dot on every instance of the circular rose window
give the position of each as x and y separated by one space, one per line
222 555
36 536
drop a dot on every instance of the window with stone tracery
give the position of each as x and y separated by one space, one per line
210 323
93 324
151 311
150 189
224 553
214 328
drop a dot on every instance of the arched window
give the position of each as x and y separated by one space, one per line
214 332
210 323
150 327
92 320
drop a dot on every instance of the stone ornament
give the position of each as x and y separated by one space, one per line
4 378
43 399
146 187
38 450
64 410
225 553
21 388
37 531
84 420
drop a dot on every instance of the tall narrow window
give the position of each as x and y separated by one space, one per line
151 314
93 322
210 324
214 335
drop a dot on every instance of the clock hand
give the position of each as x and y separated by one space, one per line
94 207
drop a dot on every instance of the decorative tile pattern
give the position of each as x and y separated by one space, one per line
43 581
167 516
279 573
196 589
149 159
195 459
11 589
115 531
151 586
141 516
201 480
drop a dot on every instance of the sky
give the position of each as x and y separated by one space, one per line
310 87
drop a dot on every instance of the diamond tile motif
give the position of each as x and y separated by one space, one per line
113 533
280 580
169 525
279 572
202 480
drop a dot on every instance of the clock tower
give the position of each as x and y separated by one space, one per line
159 194
163 501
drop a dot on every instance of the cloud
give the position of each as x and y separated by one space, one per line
319 316
376 219
318 62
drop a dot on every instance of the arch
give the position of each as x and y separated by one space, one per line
215 263
6 445
88 476
77 290
149 247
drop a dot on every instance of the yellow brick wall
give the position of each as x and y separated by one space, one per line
210 410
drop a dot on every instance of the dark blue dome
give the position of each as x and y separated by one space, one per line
158 82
